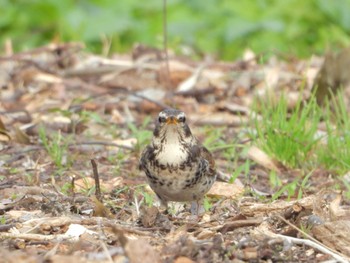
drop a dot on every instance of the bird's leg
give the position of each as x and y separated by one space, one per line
196 207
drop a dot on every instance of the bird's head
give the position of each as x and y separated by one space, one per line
172 123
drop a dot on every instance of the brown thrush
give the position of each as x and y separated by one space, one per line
178 167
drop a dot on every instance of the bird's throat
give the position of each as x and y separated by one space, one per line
172 150
172 154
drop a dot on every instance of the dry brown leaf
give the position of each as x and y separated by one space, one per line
149 216
205 234
100 209
336 211
86 183
183 260
222 189
260 157
2 126
190 82
140 251
4 135
21 136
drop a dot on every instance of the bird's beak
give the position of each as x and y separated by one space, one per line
171 120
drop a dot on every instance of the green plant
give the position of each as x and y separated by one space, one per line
335 153
149 199
234 25
274 179
90 115
243 168
303 185
142 134
56 147
347 188
207 204
29 177
289 188
66 188
13 170
288 137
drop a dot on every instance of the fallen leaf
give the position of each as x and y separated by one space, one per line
140 251
100 209
190 83
183 260
222 189
260 157
21 136
149 216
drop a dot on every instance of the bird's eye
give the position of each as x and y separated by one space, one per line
182 119
161 119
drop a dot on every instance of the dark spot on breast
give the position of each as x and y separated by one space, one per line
198 174
182 166
148 174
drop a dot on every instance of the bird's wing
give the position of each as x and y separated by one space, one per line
208 156
147 154
205 154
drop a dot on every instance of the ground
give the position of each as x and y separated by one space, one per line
72 128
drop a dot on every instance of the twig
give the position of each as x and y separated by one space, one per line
315 245
195 92
229 226
311 242
97 181
165 42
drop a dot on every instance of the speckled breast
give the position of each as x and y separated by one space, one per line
188 181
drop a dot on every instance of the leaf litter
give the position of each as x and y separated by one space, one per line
62 107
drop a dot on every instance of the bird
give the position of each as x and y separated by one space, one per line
177 166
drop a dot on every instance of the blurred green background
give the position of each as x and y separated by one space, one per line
223 28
